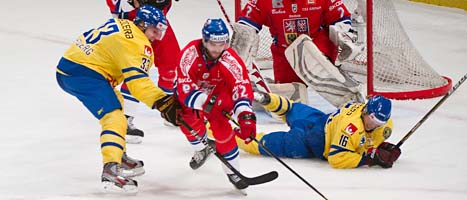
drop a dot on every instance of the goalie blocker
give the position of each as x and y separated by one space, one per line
336 86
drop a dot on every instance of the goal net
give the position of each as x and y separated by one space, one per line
391 66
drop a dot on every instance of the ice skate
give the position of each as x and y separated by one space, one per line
113 181
132 167
262 97
168 124
238 183
133 134
201 156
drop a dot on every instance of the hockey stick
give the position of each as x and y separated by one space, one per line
249 180
224 13
436 106
277 158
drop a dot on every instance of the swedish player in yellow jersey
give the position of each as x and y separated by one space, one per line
99 60
352 136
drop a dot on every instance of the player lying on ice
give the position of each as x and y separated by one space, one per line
352 136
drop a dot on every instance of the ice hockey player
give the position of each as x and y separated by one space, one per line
95 63
212 79
352 136
308 36
165 59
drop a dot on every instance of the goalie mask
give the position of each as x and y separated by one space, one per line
148 16
215 37
378 110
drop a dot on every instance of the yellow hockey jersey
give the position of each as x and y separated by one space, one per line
346 139
119 51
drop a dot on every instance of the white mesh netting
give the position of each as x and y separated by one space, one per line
398 67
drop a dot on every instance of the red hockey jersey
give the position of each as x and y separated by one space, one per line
287 19
227 78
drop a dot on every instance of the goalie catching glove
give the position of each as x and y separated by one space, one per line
343 36
169 108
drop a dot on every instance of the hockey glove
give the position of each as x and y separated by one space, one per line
169 108
391 148
345 37
247 122
381 157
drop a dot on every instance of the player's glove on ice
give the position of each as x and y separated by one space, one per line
381 157
169 108
247 121
393 149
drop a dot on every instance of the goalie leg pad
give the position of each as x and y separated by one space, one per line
245 42
320 74
295 91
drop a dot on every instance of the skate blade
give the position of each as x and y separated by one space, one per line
130 173
110 187
241 191
131 139
168 124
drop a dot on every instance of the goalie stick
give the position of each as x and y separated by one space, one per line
436 106
277 158
270 176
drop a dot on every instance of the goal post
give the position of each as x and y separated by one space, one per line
400 72
391 65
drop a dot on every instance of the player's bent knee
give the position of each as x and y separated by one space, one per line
114 121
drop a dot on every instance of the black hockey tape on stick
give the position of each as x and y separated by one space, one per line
264 178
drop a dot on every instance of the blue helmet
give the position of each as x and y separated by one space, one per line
379 107
150 16
215 30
